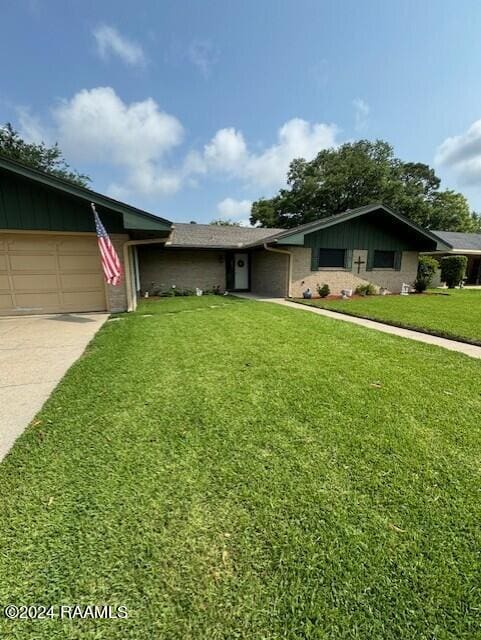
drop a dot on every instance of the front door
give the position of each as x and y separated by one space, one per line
241 271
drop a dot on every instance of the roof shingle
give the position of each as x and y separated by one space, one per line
211 236
460 241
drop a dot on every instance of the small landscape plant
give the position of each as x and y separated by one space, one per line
367 289
323 290
426 269
453 270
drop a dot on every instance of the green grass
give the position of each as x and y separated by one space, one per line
450 314
233 469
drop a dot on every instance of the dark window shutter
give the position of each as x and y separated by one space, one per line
398 260
315 259
370 260
348 259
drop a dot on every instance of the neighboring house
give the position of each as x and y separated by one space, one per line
49 260
369 244
466 244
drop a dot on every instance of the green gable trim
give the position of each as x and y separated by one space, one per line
416 237
362 233
32 199
134 221
30 206
297 240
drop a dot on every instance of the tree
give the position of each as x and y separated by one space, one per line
450 212
220 222
359 173
39 156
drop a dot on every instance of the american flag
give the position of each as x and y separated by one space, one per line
110 260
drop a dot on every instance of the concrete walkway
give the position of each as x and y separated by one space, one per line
453 345
35 353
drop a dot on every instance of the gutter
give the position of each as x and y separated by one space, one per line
473 252
130 291
287 253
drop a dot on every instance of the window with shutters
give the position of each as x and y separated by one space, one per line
331 258
384 259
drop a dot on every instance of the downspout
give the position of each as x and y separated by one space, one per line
131 293
284 252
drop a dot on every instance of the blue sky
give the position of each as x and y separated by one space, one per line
192 110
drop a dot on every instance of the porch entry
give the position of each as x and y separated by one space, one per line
238 271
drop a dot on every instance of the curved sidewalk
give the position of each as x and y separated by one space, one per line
453 345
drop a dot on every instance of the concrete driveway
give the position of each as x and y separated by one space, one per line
35 353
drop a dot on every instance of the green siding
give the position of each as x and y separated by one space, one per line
134 221
367 232
26 205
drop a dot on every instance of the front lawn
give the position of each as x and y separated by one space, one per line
233 469
451 314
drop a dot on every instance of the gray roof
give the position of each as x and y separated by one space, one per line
211 236
461 241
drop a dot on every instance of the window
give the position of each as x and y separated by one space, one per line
384 259
334 258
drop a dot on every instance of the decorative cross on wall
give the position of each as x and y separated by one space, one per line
359 262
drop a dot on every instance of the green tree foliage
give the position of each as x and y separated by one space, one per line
453 270
39 156
359 173
426 269
224 223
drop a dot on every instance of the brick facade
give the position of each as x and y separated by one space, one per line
337 279
161 268
269 274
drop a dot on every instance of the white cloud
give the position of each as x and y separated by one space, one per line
361 114
234 209
228 152
110 42
462 153
296 139
96 126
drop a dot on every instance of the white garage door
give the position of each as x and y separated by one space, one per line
48 273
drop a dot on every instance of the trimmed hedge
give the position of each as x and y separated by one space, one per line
453 270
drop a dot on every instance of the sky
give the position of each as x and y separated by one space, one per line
194 109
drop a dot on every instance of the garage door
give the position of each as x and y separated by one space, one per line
47 273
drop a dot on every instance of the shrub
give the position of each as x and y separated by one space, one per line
426 269
214 291
367 289
421 284
453 270
323 290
